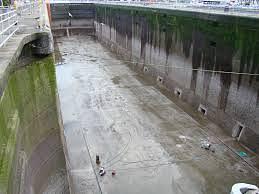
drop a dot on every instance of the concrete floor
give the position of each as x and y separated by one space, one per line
151 143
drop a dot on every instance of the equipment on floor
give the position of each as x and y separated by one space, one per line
243 188
101 171
98 159
113 173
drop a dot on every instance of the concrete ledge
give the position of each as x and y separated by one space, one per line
10 53
73 31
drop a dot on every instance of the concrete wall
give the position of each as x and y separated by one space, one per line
40 43
190 52
31 153
82 19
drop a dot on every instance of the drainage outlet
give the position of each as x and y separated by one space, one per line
178 92
202 109
145 69
160 79
238 130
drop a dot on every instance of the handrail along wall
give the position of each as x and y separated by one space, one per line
8 26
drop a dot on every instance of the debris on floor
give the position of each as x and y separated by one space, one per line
98 159
113 173
242 154
207 146
239 188
102 171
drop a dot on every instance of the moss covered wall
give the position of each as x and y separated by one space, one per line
190 51
28 116
204 35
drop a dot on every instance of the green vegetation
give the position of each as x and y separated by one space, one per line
235 34
27 114
6 2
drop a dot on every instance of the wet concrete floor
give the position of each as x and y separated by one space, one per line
152 144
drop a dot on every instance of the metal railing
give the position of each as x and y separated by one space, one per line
9 20
221 4
8 26
25 8
223 8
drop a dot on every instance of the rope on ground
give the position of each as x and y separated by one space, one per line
155 165
120 153
98 184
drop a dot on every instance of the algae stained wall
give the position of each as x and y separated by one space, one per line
211 59
31 150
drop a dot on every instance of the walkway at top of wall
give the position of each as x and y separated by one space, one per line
205 12
245 18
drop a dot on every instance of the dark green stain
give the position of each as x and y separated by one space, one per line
216 40
27 114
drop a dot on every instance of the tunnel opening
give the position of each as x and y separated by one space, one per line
30 53
145 69
178 92
202 109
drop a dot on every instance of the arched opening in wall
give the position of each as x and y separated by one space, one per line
202 109
36 49
145 69
30 52
178 92
160 79
238 130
